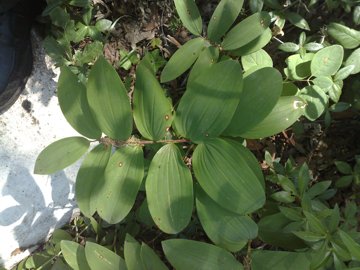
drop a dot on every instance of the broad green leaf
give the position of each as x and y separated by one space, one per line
56 51
279 260
271 231
150 260
291 213
334 220
223 17
341 251
347 37
257 59
344 181
152 109
298 67
90 176
327 61
283 196
59 17
325 83
318 189
59 264
320 256
74 255
256 5
189 15
207 58
189 254
99 257
297 20
226 229
51 6
123 176
344 72
354 59
352 246
60 154
313 46
309 236
286 184
287 110
335 90
132 255
143 214
209 102
316 101
246 31
109 101
261 91
314 223
289 47
304 178
289 89
89 53
182 59
254 45
356 15
169 190
229 174
103 25
73 103
339 107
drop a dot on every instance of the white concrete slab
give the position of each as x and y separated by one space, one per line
31 206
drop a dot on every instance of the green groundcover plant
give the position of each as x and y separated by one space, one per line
192 155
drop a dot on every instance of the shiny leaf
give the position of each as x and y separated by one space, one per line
255 45
287 110
109 101
280 260
297 20
223 17
327 61
209 102
260 94
354 59
123 176
257 59
298 66
246 31
352 246
230 175
152 109
316 101
74 105
74 255
207 58
132 255
90 176
289 47
169 190
60 154
226 229
100 257
150 260
189 15
347 37
182 59
189 254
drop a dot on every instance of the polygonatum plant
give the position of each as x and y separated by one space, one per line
231 94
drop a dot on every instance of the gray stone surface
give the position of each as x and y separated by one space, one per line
31 206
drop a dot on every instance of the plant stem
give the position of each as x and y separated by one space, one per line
135 141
